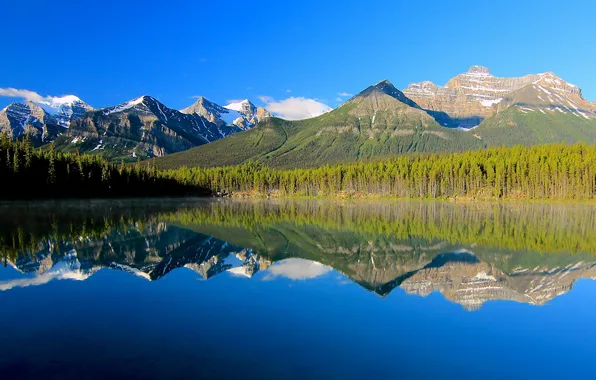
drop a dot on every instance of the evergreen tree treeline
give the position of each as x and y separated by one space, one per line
27 173
556 171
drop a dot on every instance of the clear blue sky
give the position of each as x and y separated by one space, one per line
107 52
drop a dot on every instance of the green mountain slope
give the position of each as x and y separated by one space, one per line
514 126
378 122
534 115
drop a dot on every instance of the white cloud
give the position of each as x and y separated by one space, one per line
288 91
297 269
32 96
295 108
23 94
344 94
338 99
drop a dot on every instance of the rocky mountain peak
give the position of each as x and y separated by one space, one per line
207 109
551 80
242 114
385 87
469 98
15 117
244 106
478 71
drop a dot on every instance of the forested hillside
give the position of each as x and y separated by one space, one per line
378 122
26 172
556 171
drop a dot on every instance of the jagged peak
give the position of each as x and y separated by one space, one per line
551 78
141 100
203 101
478 71
424 85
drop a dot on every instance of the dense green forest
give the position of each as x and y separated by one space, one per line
26 172
556 171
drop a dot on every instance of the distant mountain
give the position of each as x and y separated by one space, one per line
141 127
243 114
65 109
42 121
380 121
533 109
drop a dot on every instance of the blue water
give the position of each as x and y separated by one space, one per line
295 319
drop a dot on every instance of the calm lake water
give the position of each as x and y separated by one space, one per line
221 289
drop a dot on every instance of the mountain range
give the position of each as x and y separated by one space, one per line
142 127
473 110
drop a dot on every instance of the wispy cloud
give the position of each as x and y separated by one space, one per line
338 99
344 94
23 94
266 99
32 96
295 108
288 91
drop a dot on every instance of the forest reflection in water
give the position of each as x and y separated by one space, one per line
471 253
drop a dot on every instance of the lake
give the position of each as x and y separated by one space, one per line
296 289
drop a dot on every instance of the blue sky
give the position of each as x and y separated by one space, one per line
107 52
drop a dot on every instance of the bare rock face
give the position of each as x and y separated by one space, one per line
262 114
469 98
208 110
15 118
142 128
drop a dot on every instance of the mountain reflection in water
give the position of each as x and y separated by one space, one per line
470 253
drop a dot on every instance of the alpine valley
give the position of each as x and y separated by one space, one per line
473 110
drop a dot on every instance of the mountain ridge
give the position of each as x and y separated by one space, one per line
379 121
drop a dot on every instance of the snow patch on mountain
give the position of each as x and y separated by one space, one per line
490 102
124 106
238 106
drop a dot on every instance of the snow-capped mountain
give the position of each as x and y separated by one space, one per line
242 114
469 98
18 119
44 120
65 109
141 127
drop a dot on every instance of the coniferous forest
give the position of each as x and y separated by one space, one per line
556 171
28 173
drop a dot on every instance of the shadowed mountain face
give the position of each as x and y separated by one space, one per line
469 253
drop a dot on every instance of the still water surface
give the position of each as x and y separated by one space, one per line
258 289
